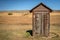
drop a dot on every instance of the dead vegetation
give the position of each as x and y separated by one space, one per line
15 27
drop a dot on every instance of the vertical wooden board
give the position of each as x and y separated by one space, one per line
33 24
46 22
37 25
40 23
43 24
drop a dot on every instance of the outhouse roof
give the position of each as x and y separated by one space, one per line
42 5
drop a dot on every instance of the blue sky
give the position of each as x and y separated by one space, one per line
27 4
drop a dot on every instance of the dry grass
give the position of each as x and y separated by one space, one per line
18 32
13 32
15 27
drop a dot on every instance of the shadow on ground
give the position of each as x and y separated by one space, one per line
29 31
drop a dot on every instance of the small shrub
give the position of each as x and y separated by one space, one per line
10 14
27 34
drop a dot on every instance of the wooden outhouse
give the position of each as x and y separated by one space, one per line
41 20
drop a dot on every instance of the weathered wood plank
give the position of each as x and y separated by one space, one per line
41 20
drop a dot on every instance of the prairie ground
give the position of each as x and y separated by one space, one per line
13 32
18 32
15 27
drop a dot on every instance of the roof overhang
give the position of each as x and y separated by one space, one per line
42 5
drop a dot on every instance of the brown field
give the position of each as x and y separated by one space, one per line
15 27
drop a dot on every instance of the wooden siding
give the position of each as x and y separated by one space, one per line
41 23
41 20
41 9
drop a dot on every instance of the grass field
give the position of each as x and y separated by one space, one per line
18 32
15 27
13 32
